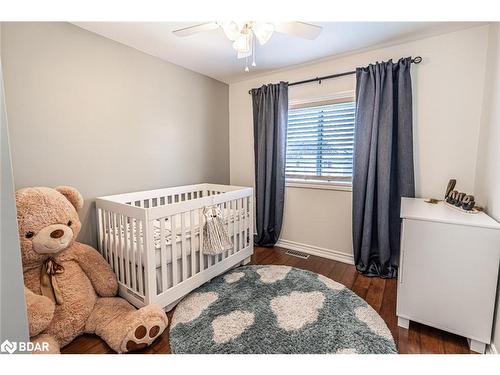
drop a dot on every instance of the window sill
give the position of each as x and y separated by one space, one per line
303 184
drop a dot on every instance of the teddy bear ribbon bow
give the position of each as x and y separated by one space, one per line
48 282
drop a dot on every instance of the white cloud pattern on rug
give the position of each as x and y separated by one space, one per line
230 326
331 283
376 324
233 277
271 274
297 309
192 307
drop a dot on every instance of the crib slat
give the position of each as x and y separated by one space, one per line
121 233
108 244
112 241
192 245
250 221
100 228
133 251
183 246
243 223
139 235
126 229
240 225
222 255
235 216
173 241
237 224
115 246
108 235
201 225
209 260
225 214
104 239
134 241
247 222
209 257
163 255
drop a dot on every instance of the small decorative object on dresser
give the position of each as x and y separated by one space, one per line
450 187
458 199
448 270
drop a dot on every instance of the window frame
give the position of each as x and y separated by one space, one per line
298 181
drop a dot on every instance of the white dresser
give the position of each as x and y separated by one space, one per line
448 270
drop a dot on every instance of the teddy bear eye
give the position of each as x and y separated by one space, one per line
29 234
69 223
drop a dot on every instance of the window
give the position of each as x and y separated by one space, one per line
320 140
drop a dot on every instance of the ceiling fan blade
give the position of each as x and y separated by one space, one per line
191 30
300 29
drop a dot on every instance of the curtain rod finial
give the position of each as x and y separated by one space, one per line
417 60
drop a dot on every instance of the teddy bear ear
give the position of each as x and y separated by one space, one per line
72 195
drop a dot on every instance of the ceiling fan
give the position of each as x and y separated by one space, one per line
244 34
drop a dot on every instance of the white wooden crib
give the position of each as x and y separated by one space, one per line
153 239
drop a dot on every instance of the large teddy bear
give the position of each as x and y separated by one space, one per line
70 289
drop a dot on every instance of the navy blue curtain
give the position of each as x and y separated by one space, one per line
270 116
383 164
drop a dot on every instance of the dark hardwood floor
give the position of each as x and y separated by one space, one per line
379 293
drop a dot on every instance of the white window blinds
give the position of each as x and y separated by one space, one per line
320 140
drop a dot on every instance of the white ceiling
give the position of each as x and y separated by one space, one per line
210 53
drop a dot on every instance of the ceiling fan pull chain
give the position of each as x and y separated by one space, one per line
253 51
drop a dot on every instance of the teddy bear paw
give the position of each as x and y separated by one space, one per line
151 322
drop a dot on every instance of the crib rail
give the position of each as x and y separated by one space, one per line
154 240
170 195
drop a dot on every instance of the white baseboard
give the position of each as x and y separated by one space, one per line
318 251
491 349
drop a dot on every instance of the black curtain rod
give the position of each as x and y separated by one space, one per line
416 60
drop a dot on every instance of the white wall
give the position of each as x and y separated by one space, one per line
89 112
448 89
13 320
488 158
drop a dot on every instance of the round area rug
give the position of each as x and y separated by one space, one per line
277 309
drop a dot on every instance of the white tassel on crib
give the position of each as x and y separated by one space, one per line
215 236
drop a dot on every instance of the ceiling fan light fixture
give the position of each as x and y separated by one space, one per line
263 31
232 29
244 33
243 44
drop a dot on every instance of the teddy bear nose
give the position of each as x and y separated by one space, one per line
58 233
